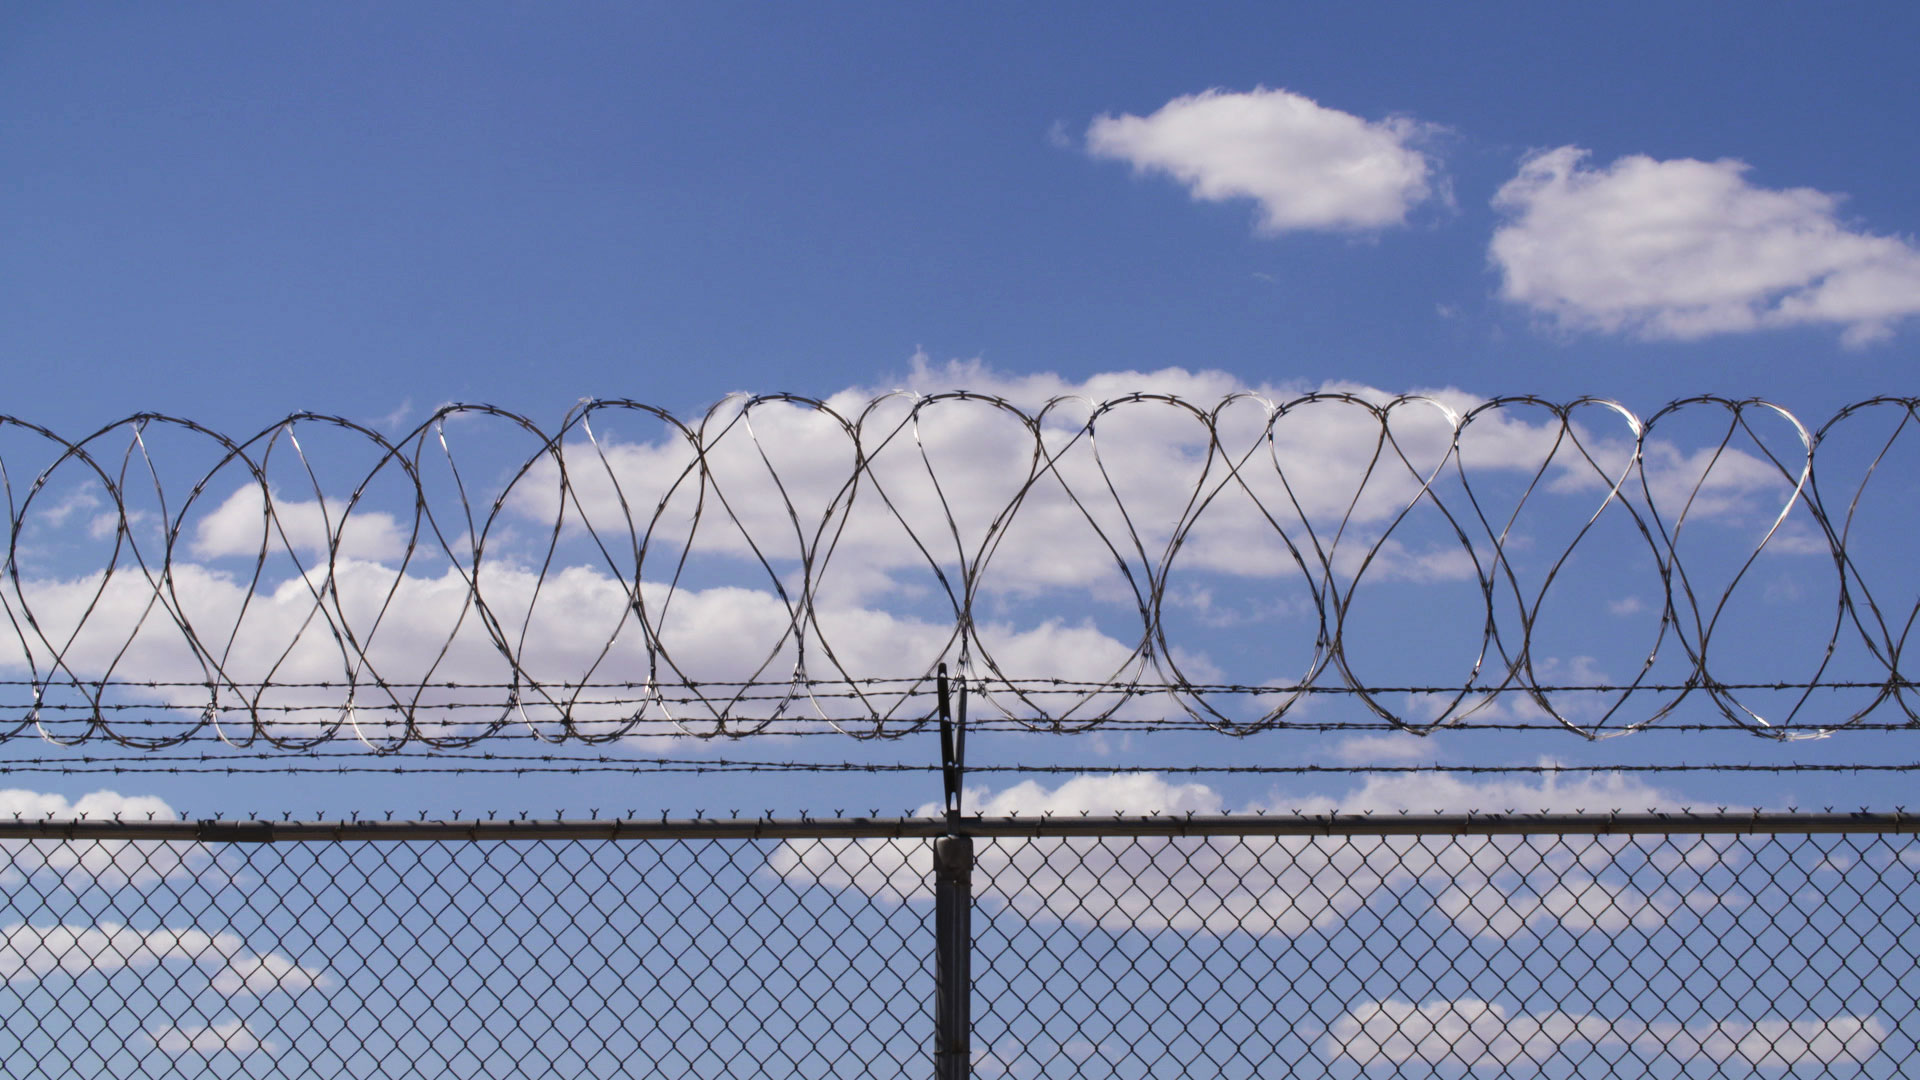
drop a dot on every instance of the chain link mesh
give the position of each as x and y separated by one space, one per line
1544 955
451 959
1534 956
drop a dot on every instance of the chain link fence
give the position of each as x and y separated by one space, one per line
1106 948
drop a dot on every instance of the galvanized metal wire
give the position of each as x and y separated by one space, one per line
1637 945
321 630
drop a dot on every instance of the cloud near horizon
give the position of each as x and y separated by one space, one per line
107 864
231 1036
1472 1034
1268 885
33 952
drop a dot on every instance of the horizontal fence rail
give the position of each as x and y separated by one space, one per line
1678 823
629 572
1597 945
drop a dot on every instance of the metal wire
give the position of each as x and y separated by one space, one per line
1592 946
352 762
128 633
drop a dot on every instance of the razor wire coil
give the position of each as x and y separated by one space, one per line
792 515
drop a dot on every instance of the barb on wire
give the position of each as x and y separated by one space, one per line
786 564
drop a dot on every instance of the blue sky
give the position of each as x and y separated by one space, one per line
229 212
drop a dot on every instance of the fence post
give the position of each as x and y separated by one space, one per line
953 903
953 963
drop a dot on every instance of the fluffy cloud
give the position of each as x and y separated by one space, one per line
1041 499
1383 749
1685 249
228 1036
1306 165
1470 1033
33 952
1050 528
570 627
1255 885
1575 902
315 528
108 864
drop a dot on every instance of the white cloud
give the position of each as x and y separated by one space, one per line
240 526
1053 510
108 864
33 952
1047 506
1685 249
1574 902
1470 1033
228 1036
1254 885
414 629
1384 749
266 973
1306 165
1465 1032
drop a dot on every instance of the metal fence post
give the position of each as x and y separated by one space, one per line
953 902
953 963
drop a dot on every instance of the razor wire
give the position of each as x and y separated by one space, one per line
320 580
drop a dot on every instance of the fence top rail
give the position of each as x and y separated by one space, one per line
1652 823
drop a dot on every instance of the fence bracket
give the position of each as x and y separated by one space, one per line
953 745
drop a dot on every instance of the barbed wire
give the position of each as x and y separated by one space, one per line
165 582
350 762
